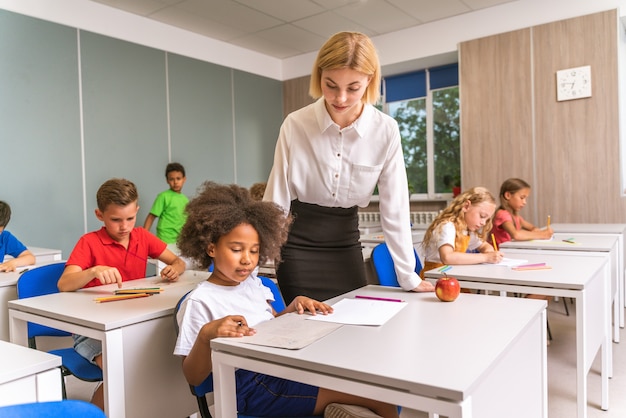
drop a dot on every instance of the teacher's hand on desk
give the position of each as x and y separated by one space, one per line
425 286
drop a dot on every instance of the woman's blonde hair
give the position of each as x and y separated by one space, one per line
351 50
454 213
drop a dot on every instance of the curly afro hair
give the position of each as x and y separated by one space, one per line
218 209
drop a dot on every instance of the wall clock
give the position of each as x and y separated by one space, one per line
573 83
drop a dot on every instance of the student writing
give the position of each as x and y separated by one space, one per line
461 227
508 224
230 229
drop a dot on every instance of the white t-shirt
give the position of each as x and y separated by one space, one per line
317 162
209 301
446 234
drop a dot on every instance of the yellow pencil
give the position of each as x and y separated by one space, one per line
548 221
493 239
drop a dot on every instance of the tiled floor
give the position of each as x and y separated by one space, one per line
561 374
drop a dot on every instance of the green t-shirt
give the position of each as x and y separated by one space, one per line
169 207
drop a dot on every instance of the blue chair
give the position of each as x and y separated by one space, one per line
205 388
383 265
57 409
43 281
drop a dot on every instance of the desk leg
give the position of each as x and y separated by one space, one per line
581 368
225 393
113 374
18 330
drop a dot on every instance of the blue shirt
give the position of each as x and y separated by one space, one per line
10 245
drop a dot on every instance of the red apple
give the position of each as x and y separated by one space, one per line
447 289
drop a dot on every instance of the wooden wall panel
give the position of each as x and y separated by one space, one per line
296 94
512 124
577 141
496 112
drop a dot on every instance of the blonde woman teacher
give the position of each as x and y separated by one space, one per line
329 158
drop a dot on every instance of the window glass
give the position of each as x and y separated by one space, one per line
446 143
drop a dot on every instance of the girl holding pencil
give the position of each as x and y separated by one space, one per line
508 224
459 234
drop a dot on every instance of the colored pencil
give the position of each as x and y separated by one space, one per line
493 239
121 297
532 268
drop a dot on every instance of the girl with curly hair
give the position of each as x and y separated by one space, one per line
458 235
226 227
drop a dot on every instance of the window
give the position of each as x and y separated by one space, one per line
426 106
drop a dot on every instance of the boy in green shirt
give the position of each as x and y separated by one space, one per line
169 206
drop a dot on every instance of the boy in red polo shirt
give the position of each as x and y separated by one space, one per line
116 253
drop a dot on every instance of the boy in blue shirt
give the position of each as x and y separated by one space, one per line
11 245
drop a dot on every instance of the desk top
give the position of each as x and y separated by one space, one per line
567 272
80 308
430 347
40 252
17 362
10 278
379 237
580 242
590 228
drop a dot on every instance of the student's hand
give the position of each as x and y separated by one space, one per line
302 303
9 265
169 273
230 326
547 233
425 286
107 275
493 257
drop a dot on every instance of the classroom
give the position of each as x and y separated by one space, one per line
89 92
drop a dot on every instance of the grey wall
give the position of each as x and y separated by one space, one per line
77 108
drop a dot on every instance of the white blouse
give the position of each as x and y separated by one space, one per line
317 162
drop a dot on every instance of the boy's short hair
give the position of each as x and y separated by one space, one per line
5 213
120 192
174 167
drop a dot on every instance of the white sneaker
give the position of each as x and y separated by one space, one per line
337 410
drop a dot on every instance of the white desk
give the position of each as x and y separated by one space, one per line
42 255
28 375
8 291
586 278
480 356
593 243
617 230
142 378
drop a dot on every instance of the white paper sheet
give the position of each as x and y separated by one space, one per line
510 262
361 312
290 331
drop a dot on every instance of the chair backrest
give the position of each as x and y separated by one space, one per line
383 265
55 409
40 281
279 302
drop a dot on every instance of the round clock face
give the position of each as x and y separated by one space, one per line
573 83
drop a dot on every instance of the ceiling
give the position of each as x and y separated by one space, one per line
286 28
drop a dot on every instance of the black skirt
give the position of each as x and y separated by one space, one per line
322 257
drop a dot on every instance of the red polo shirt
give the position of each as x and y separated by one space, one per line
97 248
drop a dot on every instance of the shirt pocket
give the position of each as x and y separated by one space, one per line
363 180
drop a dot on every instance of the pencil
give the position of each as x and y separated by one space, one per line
548 221
139 290
532 268
121 297
493 239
